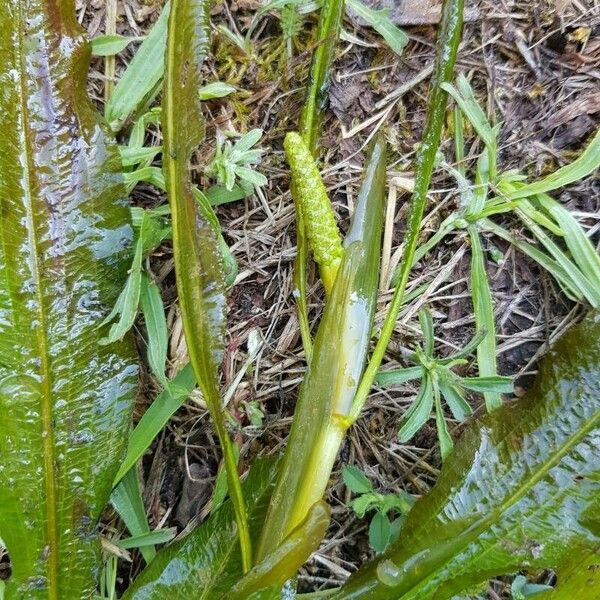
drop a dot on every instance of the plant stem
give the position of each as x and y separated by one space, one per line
447 49
310 121
109 61
198 269
341 347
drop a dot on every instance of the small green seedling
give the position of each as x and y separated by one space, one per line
437 381
382 529
232 161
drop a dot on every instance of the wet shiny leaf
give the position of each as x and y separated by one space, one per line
207 563
65 249
521 490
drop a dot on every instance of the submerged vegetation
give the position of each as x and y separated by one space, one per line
517 493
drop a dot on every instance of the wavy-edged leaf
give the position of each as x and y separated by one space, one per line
207 563
521 490
65 241
198 265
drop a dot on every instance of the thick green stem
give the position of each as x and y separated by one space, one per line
341 346
447 49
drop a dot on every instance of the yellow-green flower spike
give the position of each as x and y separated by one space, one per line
311 198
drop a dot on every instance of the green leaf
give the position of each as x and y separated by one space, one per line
126 306
380 21
456 402
363 503
140 83
355 480
379 532
156 328
444 438
465 98
579 245
217 89
520 491
426 322
156 417
127 501
207 562
583 166
400 376
497 384
484 316
133 156
419 412
218 194
158 536
198 268
109 45
65 248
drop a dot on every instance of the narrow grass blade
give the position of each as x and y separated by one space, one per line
158 536
465 98
419 412
468 348
398 377
446 443
562 277
198 269
497 384
156 328
579 245
141 81
447 48
484 316
65 247
156 417
380 21
583 166
586 287
127 501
